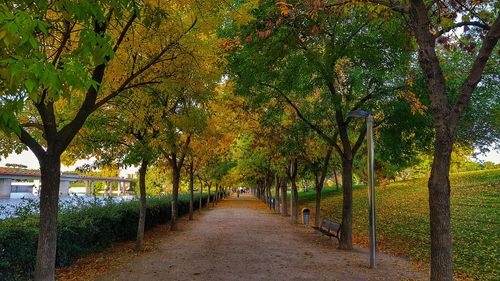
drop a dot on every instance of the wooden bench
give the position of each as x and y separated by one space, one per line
329 228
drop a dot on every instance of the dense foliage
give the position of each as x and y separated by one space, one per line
90 227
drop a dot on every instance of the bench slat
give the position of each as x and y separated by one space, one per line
329 228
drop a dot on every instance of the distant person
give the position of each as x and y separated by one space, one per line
238 193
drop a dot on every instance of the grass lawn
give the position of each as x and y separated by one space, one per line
403 220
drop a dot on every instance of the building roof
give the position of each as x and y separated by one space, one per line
17 173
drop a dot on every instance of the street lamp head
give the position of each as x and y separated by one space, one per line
359 114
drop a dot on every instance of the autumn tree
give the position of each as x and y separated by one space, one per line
317 157
323 62
61 61
435 25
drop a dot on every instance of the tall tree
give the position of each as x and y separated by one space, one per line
317 160
59 65
433 25
323 62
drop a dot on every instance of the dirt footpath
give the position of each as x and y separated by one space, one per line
242 240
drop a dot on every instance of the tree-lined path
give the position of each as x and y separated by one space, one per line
241 239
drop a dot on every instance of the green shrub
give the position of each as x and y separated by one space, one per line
88 228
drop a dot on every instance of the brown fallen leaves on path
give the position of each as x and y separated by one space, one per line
90 267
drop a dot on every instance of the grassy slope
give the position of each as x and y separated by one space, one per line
403 220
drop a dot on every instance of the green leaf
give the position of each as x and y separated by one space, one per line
30 85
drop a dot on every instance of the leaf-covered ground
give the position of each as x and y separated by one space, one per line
403 220
116 257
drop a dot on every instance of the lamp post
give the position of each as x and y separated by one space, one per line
371 179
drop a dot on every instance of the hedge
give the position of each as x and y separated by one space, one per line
88 228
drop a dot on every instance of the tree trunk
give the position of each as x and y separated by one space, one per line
277 195
284 207
50 169
336 180
191 190
317 215
445 119
439 205
264 191
295 210
214 202
209 185
346 229
218 193
139 242
319 181
176 174
269 195
201 195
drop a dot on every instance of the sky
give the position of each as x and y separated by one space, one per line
28 158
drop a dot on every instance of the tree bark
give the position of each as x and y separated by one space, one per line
346 228
209 185
191 190
319 181
214 202
294 191
295 210
283 188
176 174
317 215
439 206
277 195
201 195
50 168
336 180
269 195
139 242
